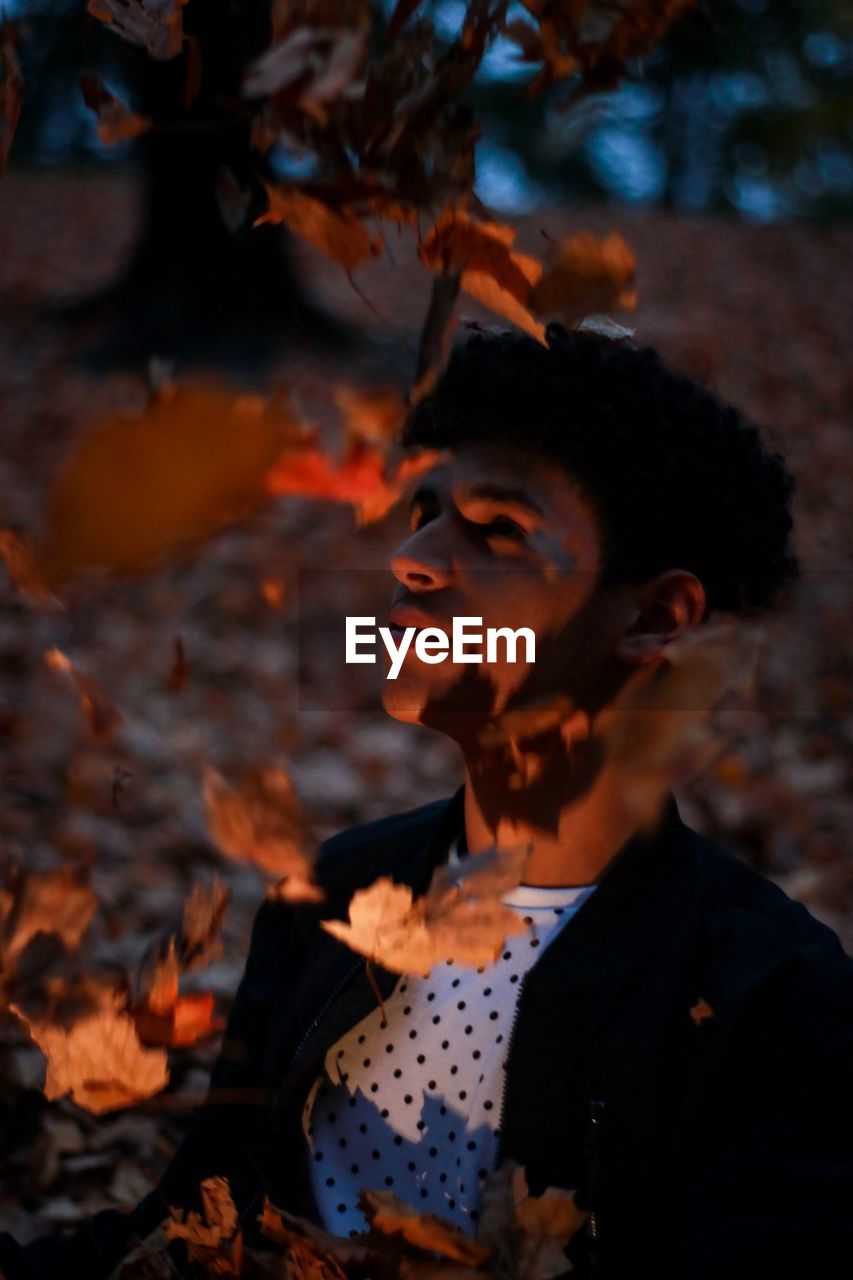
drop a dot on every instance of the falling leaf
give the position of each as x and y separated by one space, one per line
700 1011
658 732
25 571
436 342
197 455
186 1021
156 25
492 272
588 274
99 1061
60 902
386 1213
11 89
102 716
336 232
460 917
116 122
273 592
261 822
203 916
371 414
180 667
324 1255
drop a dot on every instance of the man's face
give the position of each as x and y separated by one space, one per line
501 534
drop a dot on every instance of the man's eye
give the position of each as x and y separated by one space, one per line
503 527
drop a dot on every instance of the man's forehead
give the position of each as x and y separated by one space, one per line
502 473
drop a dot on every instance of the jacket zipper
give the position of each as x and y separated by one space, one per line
593 1150
312 1025
510 1043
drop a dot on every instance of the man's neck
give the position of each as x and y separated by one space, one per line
572 837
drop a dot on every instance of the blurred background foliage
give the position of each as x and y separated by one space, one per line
745 107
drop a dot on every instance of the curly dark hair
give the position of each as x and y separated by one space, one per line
676 476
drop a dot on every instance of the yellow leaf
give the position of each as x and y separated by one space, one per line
588 275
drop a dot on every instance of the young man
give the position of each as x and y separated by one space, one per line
668 1034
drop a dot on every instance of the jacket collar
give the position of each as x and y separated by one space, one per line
634 896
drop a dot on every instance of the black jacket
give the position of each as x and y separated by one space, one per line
682 1056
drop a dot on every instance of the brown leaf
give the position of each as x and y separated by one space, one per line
103 718
588 274
390 1215
180 671
336 232
60 902
25 571
186 1021
527 1235
208 1232
100 1061
198 455
261 822
324 1256
204 912
436 342
116 122
460 917
11 89
156 25
492 272
700 1011
658 732
371 414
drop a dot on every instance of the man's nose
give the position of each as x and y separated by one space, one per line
421 563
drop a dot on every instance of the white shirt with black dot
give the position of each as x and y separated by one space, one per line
412 1102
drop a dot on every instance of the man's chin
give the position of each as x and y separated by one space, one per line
455 707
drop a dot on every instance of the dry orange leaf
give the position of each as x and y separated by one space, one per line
261 822
134 488
371 414
528 1234
25 571
31 902
587 275
700 1011
186 1021
100 1061
492 271
392 1216
460 917
102 716
116 121
336 232
208 1231
658 731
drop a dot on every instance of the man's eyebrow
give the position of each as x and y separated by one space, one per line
487 491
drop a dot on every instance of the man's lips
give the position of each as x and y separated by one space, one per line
400 619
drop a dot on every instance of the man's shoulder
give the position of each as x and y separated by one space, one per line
756 934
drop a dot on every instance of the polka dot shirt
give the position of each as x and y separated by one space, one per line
411 1102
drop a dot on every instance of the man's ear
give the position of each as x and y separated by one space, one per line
663 609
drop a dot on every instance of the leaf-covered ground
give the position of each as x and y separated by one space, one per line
759 312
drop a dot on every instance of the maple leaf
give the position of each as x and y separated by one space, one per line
392 1216
588 274
658 731
116 122
188 479
18 550
102 716
261 822
156 25
58 902
100 1061
526 1235
203 914
460 917
208 1233
362 477
336 232
492 272
11 89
